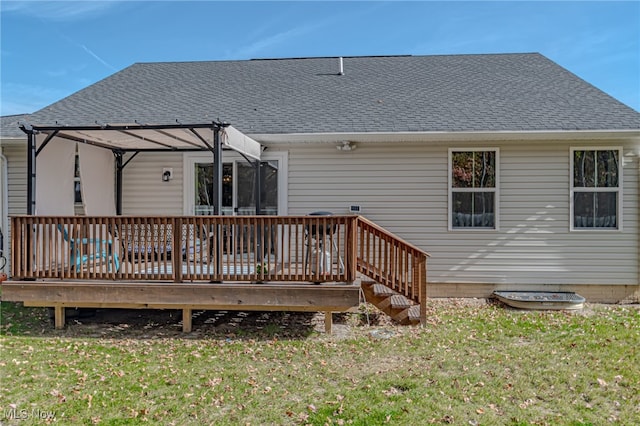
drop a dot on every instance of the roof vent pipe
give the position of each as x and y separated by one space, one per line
341 67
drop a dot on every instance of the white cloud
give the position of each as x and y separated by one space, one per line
60 10
98 58
264 44
25 98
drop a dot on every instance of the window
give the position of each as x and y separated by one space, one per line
595 188
473 195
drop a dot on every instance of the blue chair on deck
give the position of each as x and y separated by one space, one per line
85 250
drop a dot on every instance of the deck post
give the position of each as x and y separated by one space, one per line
31 194
119 167
217 194
217 172
352 249
422 282
176 249
59 316
260 229
31 173
186 320
328 322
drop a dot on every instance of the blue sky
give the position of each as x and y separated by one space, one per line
50 50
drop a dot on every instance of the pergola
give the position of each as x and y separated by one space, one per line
135 138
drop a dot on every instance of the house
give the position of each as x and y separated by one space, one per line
512 172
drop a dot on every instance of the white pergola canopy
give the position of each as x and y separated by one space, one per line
137 137
132 138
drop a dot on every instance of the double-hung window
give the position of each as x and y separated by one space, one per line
596 188
473 188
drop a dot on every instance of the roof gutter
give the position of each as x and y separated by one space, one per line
471 136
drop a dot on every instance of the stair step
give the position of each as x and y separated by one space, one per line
381 290
398 301
414 314
394 304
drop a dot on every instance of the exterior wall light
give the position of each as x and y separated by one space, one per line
346 146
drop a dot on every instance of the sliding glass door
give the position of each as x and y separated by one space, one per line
238 186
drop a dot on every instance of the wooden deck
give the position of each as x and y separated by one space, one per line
272 296
284 263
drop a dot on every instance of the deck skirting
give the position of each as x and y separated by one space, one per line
333 297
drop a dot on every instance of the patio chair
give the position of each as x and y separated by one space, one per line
320 242
85 250
148 241
195 243
145 241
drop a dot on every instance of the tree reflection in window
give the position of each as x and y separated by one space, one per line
596 175
473 187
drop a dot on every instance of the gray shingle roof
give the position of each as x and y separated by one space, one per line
492 92
9 126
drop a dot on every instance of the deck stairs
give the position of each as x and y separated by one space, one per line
392 273
401 309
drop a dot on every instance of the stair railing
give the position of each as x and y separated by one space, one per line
392 262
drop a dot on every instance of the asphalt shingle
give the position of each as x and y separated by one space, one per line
10 126
491 92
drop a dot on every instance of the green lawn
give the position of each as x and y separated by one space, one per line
474 364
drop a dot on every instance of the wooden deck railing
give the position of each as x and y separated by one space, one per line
197 248
391 261
216 248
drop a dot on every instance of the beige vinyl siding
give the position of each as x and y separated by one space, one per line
144 192
17 189
17 178
404 188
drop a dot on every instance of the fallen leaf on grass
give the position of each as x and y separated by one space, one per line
214 382
57 394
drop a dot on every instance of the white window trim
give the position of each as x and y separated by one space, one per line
189 160
495 190
619 189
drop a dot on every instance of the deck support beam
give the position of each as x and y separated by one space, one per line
293 297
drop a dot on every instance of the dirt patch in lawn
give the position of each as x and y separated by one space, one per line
158 324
